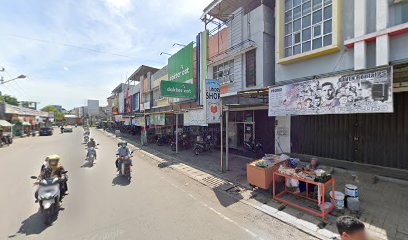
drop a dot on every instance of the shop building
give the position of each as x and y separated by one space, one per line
360 44
241 57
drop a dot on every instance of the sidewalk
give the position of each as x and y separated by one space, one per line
383 201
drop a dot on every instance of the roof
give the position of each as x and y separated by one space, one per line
118 89
223 9
141 71
4 123
26 124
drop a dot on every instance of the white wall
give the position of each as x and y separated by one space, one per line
282 135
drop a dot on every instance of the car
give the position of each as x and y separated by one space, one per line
68 129
46 131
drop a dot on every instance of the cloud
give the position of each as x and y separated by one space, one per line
97 43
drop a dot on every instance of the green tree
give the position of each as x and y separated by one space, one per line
9 99
59 116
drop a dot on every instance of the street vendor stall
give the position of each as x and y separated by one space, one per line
6 132
260 172
316 180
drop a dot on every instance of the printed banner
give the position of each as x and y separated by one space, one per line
177 90
213 105
362 92
180 65
195 118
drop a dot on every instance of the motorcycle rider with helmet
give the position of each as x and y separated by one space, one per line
50 168
91 144
123 151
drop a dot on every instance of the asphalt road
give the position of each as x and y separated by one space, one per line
157 204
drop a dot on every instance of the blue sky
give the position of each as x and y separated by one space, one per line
47 40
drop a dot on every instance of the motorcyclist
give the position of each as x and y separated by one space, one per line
91 144
51 168
123 151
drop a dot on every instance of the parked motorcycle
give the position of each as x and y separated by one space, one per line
163 140
255 147
125 167
49 196
203 146
6 140
183 142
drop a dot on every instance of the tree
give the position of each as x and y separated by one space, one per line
9 100
59 116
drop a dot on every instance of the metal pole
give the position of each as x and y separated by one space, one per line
226 142
176 132
222 148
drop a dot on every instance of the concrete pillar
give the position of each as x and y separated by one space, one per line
360 28
383 41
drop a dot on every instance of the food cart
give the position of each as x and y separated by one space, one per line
260 172
318 204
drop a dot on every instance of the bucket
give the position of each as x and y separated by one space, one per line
351 191
326 205
353 204
339 199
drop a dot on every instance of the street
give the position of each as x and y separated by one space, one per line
157 204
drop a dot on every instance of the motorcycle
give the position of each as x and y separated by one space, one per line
33 133
183 142
62 130
49 197
91 155
125 167
162 140
254 147
203 146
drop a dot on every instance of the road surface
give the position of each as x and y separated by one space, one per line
157 204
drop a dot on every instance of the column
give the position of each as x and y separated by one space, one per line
383 41
360 26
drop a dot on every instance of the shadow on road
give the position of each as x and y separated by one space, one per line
32 225
87 164
120 180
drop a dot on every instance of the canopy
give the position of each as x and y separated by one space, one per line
26 124
4 123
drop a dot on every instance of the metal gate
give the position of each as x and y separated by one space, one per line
378 139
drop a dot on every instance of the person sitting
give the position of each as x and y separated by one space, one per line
311 167
350 228
91 144
123 151
52 168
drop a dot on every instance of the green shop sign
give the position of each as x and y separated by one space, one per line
177 90
180 66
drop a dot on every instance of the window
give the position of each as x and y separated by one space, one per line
308 25
250 67
224 72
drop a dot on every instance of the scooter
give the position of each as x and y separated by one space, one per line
86 139
251 146
91 155
203 146
125 167
49 196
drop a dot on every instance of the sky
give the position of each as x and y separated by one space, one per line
72 51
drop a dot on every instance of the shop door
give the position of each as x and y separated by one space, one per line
249 132
378 139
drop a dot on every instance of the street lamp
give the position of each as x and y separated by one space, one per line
165 53
6 81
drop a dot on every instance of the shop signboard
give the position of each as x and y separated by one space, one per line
118 118
180 65
139 121
213 101
361 92
195 117
157 119
177 90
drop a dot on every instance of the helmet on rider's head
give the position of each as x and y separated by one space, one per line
53 160
123 144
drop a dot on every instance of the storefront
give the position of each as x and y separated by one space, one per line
366 123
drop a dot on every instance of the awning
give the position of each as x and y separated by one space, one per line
4 123
26 124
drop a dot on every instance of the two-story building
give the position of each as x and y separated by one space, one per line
341 77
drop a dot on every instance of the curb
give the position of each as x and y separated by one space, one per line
275 213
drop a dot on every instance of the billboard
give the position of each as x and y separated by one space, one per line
361 92
213 101
177 90
93 107
180 65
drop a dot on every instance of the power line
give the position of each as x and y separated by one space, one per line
70 45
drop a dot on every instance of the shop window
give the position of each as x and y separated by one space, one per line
299 17
250 60
224 72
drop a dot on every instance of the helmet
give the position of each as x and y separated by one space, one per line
53 159
123 144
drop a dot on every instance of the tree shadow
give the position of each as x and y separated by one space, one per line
120 180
